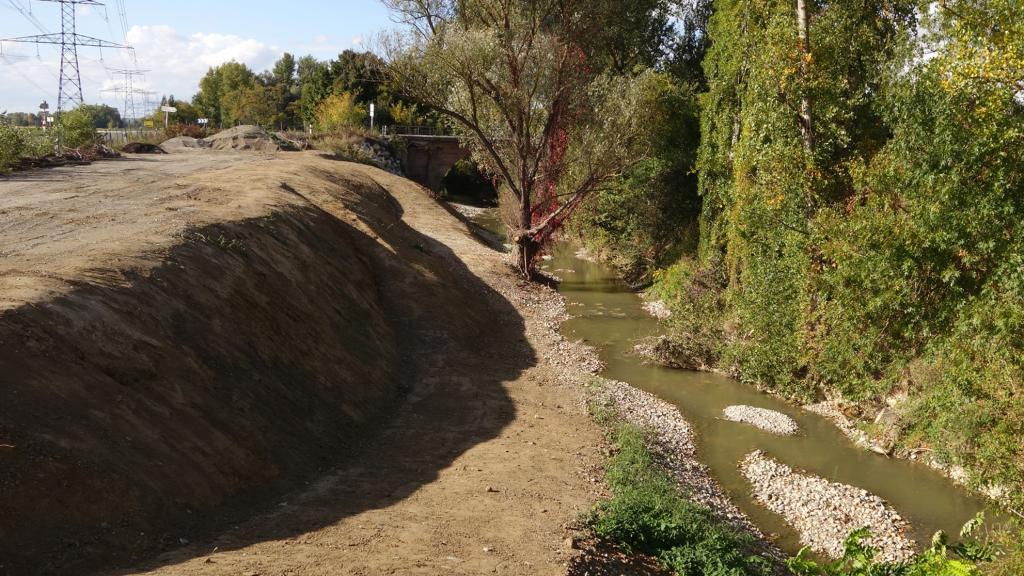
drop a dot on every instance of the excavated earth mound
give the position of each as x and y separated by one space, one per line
188 334
142 148
184 144
244 138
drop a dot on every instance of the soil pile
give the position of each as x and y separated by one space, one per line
244 138
201 329
142 148
184 144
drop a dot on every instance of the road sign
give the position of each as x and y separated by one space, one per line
168 109
203 121
147 123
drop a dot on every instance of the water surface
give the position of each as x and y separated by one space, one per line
608 316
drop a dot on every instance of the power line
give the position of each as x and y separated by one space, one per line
129 89
70 82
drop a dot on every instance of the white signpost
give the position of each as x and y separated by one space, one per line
167 110
373 109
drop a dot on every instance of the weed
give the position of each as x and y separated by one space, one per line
650 514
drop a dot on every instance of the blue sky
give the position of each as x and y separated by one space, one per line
178 41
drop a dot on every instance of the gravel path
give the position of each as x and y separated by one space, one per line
825 513
763 418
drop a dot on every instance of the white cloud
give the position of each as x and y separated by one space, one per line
176 63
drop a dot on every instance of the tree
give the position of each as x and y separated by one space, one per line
314 86
622 35
218 82
256 104
515 82
284 70
103 116
359 73
340 111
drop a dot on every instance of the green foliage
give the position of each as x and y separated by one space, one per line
695 294
649 514
76 128
12 145
340 111
885 257
103 116
640 220
941 559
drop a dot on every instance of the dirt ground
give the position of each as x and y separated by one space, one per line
418 420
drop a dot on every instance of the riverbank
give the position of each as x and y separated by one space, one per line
480 458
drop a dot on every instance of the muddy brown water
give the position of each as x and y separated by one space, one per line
607 315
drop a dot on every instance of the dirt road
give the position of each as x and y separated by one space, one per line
474 462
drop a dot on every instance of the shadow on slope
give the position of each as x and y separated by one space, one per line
259 354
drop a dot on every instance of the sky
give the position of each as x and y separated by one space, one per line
177 41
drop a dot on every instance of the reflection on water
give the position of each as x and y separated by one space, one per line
610 317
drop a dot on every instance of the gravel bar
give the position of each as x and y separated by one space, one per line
824 513
763 418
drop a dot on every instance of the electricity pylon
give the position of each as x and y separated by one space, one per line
129 89
70 89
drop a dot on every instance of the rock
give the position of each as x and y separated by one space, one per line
492 489
658 309
888 417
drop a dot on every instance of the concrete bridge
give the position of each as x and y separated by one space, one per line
428 155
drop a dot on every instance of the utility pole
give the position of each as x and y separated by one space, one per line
69 93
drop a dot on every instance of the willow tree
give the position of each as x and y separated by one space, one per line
513 78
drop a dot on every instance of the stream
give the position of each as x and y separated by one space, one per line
607 315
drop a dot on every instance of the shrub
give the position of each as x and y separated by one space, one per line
12 145
191 130
76 129
340 111
941 559
695 294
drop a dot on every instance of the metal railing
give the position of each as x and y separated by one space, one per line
405 130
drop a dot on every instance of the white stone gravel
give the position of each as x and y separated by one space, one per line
658 309
824 513
763 418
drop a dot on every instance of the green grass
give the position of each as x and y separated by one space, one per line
650 514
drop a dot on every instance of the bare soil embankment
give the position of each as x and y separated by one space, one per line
185 337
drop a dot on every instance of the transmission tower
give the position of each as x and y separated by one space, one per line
130 109
70 89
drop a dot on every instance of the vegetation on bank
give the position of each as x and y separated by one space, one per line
859 192
648 513
74 130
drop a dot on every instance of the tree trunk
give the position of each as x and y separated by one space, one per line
524 248
806 117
